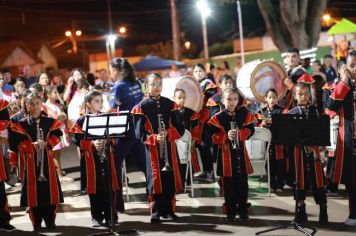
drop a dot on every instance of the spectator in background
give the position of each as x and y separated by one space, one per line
174 73
102 77
76 75
238 66
225 68
306 65
43 80
320 80
329 71
91 79
211 75
57 80
6 89
9 82
27 75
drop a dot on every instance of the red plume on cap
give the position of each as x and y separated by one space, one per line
306 78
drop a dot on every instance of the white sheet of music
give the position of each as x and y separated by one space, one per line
98 120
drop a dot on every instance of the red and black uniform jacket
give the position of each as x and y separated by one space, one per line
227 163
341 101
189 119
146 121
314 153
4 122
96 181
36 193
266 113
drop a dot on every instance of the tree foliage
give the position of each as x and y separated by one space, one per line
291 23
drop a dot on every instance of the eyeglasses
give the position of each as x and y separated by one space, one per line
155 84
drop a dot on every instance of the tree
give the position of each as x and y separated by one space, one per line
291 23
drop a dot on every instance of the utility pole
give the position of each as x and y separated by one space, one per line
175 31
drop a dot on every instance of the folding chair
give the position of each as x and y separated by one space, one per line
259 152
184 154
124 177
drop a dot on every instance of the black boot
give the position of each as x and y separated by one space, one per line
301 214
243 213
323 215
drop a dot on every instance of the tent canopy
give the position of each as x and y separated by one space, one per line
150 63
343 27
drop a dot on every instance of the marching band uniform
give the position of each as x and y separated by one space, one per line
4 207
162 185
276 162
42 197
97 185
204 140
311 171
233 165
342 100
214 104
189 119
328 88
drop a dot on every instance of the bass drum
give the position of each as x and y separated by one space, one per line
256 77
194 95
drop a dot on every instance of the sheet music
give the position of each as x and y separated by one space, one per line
98 120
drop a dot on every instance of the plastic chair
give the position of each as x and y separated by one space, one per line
258 151
184 153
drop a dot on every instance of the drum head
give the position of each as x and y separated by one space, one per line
268 75
194 95
193 92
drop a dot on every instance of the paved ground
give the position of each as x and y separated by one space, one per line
199 215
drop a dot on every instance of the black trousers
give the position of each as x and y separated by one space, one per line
83 174
352 201
125 147
46 213
235 193
276 168
162 205
4 210
310 178
100 207
206 157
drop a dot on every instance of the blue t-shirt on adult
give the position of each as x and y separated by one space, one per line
125 95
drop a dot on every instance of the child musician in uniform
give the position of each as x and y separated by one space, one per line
230 128
276 161
158 128
34 138
4 207
189 119
92 152
311 171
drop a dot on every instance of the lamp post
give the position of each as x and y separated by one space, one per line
241 32
204 12
110 46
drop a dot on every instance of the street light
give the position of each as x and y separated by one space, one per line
122 30
73 39
78 32
204 12
187 45
68 33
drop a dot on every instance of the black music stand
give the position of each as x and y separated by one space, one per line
108 126
296 129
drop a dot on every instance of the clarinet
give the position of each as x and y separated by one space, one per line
163 151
